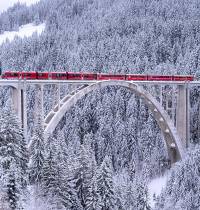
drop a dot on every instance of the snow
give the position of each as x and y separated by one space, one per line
173 145
4 5
24 31
155 187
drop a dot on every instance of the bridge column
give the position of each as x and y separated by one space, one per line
16 99
19 104
182 114
24 108
39 102
58 95
42 102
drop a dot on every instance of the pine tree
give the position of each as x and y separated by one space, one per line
91 199
57 181
50 178
182 190
37 152
12 190
83 176
140 194
105 190
13 156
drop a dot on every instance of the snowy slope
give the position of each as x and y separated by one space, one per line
4 5
24 31
155 187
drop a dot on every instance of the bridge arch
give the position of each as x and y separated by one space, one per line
173 143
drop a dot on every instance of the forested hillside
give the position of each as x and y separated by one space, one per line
108 146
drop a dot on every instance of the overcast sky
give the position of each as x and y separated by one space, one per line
4 4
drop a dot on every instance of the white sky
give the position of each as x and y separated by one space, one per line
4 4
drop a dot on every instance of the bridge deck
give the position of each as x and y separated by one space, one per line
4 82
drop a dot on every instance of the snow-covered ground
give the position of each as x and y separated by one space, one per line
24 31
5 4
155 187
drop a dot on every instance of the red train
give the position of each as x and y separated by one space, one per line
92 76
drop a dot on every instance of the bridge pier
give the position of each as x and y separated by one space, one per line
39 102
182 114
16 99
20 106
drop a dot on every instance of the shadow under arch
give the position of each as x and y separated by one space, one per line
173 143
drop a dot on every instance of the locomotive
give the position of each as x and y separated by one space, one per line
91 76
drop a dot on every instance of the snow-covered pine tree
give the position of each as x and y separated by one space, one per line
182 190
4 204
37 152
130 193
83 176
91 198
57 181
13 156
140 194
105 189
49 180
62 147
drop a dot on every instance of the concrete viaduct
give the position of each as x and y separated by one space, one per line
176 136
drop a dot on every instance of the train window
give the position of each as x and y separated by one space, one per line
113 76
60 75
40 74
105 75
27 74
75 75
14 74
87 76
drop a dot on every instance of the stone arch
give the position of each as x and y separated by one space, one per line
173 143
